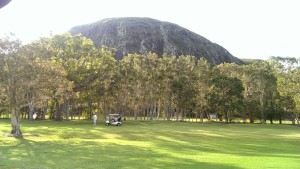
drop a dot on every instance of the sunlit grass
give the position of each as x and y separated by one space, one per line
149 144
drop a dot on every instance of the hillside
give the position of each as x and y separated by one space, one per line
144 35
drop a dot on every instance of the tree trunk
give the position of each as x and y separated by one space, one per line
262 108
226 115
90 109
183 115
158 112
31 111
135 114
251 117
152 112
271 119
68 108
295 119
15 123
176 114
43 113
52 108
168 112
280 120
201 116
58 111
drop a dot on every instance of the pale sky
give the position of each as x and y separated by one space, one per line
246 28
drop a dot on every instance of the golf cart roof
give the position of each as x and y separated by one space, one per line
113 114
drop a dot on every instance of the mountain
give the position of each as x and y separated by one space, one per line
144 35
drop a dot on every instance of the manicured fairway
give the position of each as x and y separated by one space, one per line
149 144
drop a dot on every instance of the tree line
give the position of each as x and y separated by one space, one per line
64 76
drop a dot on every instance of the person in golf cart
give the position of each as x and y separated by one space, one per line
113 119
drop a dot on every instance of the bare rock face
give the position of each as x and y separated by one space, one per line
144 35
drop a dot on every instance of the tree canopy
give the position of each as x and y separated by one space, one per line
64 76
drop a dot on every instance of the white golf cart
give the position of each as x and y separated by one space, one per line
113 119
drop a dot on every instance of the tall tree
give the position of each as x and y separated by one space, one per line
226 95
104 87
12 80
166 75
152 85
47 77
25 79
183 85
287 71
260 89
250 93
77 55
204 74
266 86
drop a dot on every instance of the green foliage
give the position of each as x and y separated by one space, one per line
68 74
226 95
287 71
28 78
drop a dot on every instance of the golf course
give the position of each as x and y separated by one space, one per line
149 144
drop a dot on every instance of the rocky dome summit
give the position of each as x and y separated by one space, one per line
144 35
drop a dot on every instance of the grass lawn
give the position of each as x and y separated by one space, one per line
149 144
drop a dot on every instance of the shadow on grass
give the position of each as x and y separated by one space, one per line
79 144
52 154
